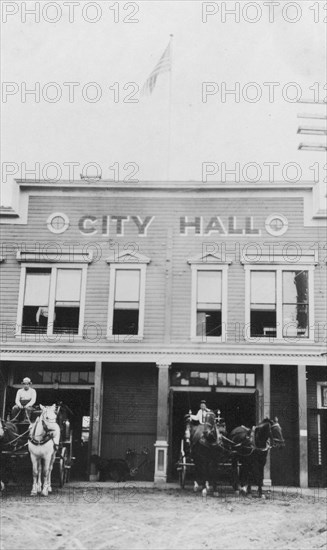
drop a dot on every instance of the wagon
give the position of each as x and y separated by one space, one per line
227 467
15 455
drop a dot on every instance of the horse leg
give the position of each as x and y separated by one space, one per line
39 476
46 470
34 490
244 475
50 470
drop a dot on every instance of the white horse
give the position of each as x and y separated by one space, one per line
43 442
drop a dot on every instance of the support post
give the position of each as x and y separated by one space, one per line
161 445
303 427
266 412
97 416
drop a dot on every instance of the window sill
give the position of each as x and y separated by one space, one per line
286 340
207 339
124 338
49 338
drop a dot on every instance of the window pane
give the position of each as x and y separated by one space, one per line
295 320
263 287
240 379
221 381
68 285
250 380
66 319
37 289
263 323
295 287
209 287
208 323
127 285
126 321
231 379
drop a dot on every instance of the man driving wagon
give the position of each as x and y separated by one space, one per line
200 418
25 400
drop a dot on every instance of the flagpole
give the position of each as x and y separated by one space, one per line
170 105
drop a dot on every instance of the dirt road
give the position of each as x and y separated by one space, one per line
131 518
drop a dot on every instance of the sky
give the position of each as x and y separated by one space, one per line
188 120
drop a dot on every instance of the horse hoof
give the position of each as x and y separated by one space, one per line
33 493
2 486
50 490
204 493
195 487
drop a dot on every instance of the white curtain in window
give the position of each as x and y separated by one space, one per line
263 287
127 285
68 285
37 289
209 287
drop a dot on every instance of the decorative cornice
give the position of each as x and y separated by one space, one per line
126 257
85 185
208 259
166 353
41 256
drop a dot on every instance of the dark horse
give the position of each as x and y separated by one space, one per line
9 441
251 449
206 451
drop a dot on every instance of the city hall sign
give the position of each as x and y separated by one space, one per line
116 225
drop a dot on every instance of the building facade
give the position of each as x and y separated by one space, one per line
131 303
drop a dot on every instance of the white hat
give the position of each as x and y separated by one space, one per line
27 381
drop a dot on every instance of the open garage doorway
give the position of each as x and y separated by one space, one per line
78 404
235 408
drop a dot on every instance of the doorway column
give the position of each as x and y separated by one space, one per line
161 445
266 412
303 427
96 417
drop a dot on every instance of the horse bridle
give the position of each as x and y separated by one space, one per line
275 440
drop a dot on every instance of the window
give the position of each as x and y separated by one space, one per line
36 296
67 301
263 303
126 296
208 306
185 377
52 300
209 299
295 303
279 305
127 301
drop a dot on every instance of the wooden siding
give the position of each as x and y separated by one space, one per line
129 419
167 212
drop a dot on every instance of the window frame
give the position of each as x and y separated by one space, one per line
278 269
52 298
114 267
223 269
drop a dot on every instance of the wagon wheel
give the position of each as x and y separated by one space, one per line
235 474
182 466
62 463
68 446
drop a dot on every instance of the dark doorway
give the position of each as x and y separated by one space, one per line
78 407
235 408
323 440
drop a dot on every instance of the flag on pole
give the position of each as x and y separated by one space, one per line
163 65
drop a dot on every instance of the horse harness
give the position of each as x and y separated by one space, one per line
48 433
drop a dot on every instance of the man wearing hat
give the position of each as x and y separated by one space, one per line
25 399
201 414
